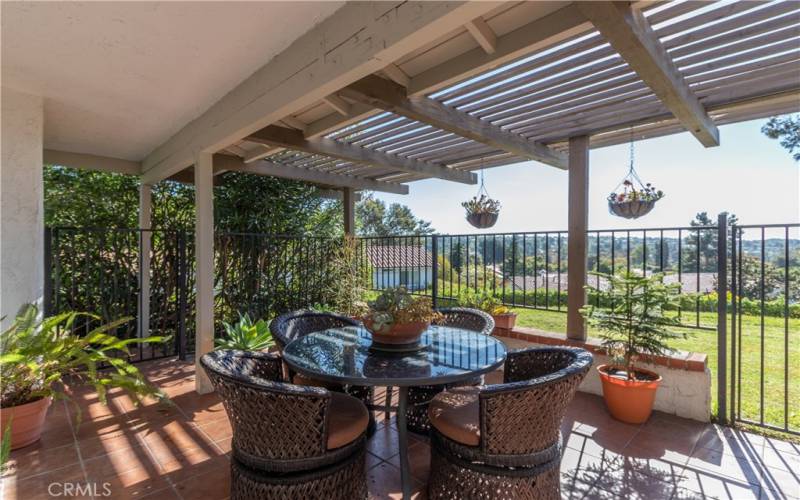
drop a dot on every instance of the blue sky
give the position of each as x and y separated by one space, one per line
748 174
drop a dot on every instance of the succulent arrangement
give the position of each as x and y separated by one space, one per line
396 306
481 205
629 193
246 335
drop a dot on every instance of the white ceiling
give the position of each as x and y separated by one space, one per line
119 78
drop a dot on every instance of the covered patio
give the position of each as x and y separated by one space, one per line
372 96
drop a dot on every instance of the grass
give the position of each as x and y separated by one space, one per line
704 341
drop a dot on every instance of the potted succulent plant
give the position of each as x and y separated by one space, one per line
482 211
396 317
246 335
39 354
504 318
633 203
637 325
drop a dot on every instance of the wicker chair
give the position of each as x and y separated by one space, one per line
289 441
503 441
292 325
420 396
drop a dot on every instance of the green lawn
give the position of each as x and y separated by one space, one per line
706 342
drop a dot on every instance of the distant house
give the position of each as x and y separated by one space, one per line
410 266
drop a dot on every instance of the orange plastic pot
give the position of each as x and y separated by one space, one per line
27 421
630 401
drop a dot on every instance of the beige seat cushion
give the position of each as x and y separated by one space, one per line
347 420
456 414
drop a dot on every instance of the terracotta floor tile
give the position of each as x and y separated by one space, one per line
39 459
214 485
183 453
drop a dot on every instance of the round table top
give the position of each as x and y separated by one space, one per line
343 355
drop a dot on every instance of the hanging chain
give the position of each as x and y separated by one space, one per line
482 188
630 168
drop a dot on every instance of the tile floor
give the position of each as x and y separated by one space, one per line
182 452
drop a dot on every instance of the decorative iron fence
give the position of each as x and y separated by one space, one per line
756 269
529 270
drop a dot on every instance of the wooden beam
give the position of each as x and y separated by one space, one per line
336 194
349 206
630 34
261 152
91 162
397 75
338 104
558 26
482 34
290 139
578 243
389 96
204 261
357 40
318 177
293 122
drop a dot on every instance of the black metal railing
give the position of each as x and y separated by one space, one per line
529 270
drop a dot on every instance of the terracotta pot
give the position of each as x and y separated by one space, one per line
630 401
406 333
505 321
27 421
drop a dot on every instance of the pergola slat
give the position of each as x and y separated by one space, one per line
391 97
632 37
279 136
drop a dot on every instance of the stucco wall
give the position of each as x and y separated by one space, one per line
21 206
682 392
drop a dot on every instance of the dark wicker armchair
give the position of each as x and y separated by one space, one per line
292 325
420 396
503 441
289 441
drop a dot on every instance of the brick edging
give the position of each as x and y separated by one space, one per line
679 360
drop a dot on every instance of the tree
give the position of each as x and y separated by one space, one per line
787 130
374 218
703 242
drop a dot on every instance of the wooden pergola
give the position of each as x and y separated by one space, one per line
422 90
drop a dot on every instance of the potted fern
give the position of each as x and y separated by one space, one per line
39 354
635 326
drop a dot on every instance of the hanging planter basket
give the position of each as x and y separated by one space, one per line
636 198
482 220
482 210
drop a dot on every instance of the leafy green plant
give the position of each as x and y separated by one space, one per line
482 300
346 281
5 447
246 335
37 355
629 193
635 324
481 205
396 306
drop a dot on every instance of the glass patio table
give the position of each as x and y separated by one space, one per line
345 356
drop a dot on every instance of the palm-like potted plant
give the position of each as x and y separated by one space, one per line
396 317
39 354
635 326
491 304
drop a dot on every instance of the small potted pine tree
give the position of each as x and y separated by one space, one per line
634 323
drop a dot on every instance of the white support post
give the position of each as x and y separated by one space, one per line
204 254
145 249
577 237
349 203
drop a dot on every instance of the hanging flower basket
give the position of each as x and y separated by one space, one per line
636 198
482 211
633 203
